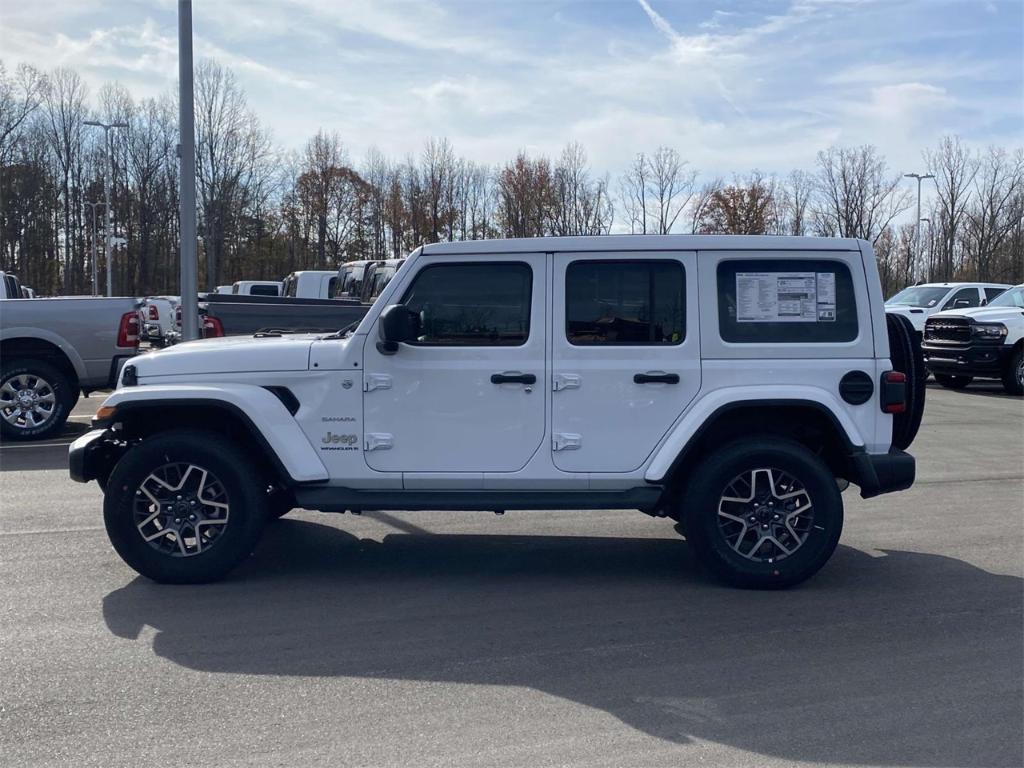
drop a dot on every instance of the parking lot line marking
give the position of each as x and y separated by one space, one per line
35 445
44 531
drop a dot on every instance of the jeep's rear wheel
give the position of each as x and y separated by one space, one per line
953 382
763 513
184 507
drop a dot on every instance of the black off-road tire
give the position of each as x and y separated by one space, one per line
1013 381
953 382
37 374
906 357
232 468
710 482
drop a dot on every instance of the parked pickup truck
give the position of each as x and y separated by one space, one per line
986 343
734 384
919 302
51 350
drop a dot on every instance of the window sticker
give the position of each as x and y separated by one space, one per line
785 297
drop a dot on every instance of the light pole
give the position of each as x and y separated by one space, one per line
187 178
95 281
917 219
106 194
931 246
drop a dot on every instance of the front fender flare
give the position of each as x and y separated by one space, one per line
263 412
687 428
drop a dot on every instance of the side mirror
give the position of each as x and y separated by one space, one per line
394 327
959 303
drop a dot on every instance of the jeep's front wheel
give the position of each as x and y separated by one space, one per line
184 507
763 513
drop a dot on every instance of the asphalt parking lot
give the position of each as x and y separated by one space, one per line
532 639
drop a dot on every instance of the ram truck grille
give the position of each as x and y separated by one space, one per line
948 331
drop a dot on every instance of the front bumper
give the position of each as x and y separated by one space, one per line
878 473
966 359
93 455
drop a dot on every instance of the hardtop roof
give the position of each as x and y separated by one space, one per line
619 243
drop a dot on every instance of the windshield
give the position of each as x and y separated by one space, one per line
1011 298
919 296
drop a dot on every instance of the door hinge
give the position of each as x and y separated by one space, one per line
566 441
378 441
561 381
372 381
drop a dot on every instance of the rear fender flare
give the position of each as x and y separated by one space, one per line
704 410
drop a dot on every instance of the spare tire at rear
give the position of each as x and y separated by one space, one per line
906 356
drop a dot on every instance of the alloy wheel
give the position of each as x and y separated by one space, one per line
27 401
181 509
765 514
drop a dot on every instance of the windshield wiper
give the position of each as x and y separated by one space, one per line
340 334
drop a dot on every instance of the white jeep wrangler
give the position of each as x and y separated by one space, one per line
735 384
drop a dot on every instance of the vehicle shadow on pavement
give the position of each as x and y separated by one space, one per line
895 658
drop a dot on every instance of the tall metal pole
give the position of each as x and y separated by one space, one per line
917 219
95 280
107 214
187 193
107 181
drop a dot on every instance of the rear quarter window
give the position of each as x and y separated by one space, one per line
787 301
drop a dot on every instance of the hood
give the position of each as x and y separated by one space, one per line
916 315
985 314
235 354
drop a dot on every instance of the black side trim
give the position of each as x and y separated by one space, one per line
115 369
883 473
287 398
339 499
159 405
709 423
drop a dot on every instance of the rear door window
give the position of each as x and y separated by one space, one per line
628 302
991 293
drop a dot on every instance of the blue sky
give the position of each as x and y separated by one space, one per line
732 85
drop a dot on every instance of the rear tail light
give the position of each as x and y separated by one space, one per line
212 328
894 392
128 330
154 313
177 316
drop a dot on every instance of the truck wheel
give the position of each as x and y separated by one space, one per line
906 357
763 513
34 399
1013 373
953 382
184 507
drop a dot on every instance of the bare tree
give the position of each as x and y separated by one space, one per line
996 214
20 96
856 195
64 97
230 143
954 171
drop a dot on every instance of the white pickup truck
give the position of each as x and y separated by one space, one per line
919 302
986 343
51 350
734 384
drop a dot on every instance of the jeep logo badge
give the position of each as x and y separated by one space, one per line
331 438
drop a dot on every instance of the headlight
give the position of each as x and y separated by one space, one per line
989 331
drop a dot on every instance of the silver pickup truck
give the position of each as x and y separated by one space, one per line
51 350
